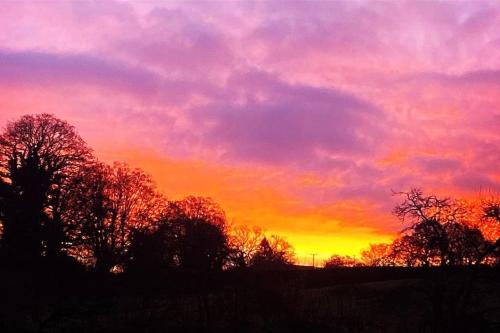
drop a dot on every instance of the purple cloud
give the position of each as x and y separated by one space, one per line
53 69
437 165
475 182
176 41
48 69
265 119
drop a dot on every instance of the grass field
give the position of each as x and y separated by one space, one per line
340 300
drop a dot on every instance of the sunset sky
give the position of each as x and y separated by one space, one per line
298 117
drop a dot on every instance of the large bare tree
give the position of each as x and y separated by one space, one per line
38 156
109 202
438 232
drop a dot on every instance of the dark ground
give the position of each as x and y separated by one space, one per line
338 300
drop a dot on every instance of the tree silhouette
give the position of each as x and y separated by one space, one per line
417 208
438 233
466 245
274 252
244 244
199 231
39 154
376 255
492 210
341 261
489 211
152 251
404 253
490 225
108 203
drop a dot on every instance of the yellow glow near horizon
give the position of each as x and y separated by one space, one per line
326 245
248 199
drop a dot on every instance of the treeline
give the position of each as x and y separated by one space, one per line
437 232
60 207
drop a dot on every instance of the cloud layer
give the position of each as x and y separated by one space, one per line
298 117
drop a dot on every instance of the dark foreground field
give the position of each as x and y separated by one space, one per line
339 300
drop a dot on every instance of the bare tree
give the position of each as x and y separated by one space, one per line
341 261
376 255
438 232
274 252
244 243
38 156
489 224
417 207
403 252
108 203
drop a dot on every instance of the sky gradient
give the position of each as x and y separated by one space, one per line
298 117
